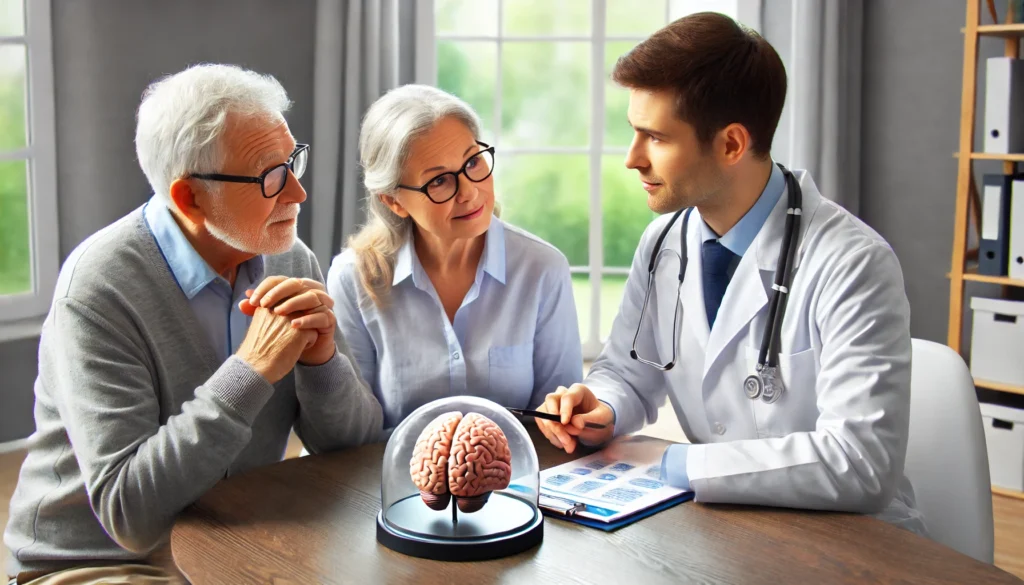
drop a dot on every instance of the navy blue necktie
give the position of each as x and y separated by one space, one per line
716 260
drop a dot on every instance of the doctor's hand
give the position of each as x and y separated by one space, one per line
577 406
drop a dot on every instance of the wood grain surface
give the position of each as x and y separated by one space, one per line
313 520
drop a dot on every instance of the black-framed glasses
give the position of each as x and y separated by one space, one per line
446 185
272 180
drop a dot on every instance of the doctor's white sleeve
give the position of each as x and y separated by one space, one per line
853 460
634 390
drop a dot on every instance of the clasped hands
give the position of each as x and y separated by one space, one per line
292 322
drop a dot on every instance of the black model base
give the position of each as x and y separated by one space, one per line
505 526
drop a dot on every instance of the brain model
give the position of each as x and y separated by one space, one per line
466 457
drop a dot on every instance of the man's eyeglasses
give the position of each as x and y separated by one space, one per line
446 185
272 180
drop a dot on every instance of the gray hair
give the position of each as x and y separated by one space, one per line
182 118
389 127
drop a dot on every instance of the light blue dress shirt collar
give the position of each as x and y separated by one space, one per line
191 272
739 238
407 263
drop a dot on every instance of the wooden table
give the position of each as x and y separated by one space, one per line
313 520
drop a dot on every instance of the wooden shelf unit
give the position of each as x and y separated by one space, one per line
999 386
1012 31
994 156
1008 493
1003 280
967 204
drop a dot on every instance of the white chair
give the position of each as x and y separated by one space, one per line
947 461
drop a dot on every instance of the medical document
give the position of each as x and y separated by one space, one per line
619 481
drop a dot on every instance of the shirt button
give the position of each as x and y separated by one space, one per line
719 428
455 355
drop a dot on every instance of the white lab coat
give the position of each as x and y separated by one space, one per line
837 439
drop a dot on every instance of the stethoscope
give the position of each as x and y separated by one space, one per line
765 383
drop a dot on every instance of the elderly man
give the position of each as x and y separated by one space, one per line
170 359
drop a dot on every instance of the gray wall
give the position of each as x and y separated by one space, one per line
17 374
105 53
913 67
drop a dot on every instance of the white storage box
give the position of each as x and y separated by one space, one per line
1004 436
997 341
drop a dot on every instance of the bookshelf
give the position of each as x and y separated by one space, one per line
967 203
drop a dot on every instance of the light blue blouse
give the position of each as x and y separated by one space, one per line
515 338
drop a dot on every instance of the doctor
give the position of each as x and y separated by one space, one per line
774 321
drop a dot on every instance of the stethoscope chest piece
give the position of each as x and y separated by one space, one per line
753 386
765 384
773 388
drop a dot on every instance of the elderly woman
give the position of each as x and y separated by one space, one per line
436 296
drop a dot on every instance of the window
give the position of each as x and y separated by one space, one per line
538 73
28 186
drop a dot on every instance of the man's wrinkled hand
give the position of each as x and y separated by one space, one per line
272 345
306 303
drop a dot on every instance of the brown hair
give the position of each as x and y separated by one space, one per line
721 72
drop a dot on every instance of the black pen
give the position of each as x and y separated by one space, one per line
548 416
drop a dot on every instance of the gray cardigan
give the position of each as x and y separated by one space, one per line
134 418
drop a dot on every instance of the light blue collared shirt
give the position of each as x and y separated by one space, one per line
737 240
514 339
212 298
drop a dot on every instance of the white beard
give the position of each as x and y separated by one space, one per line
224 227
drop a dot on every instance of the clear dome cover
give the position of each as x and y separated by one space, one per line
458 471
397 479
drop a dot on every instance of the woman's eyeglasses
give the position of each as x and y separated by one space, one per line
446 185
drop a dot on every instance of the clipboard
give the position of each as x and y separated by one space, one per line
554 512
611 488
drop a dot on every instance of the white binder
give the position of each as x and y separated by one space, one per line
1016 259
1004 105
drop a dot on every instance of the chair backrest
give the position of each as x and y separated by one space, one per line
947 461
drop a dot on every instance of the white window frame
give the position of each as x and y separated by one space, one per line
21 314
747 12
